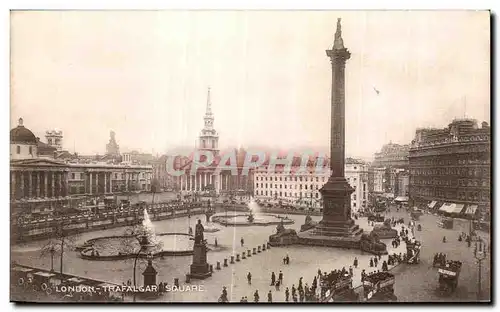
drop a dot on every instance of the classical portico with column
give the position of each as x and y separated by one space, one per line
37 183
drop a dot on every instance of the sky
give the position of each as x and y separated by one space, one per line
145 75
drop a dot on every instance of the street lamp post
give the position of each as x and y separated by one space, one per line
52 252
480 255
135 266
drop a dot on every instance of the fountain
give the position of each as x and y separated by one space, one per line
147 236
252 217
142 240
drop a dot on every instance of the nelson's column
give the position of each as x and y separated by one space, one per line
336 229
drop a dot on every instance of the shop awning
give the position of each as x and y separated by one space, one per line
471 209
432 204
447 207
401 199
457 208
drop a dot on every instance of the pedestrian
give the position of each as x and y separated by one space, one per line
256 296
384 266
319 272
300 282
280 277
269 297
355 262
351 272
277 285
375 261
242 242
249 278
216 242
444 239
315 282
287 259
371 263
294 291
287 294
273 278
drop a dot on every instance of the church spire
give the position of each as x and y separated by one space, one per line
338 44
209 104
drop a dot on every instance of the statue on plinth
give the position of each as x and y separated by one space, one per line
198 233
283 236
200 268
385 231
308 224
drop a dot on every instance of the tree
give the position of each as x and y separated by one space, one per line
58 244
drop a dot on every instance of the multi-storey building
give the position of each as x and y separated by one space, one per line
450 167
301 187
392 155
44 184
379 179
392 160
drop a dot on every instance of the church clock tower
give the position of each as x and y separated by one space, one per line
209 138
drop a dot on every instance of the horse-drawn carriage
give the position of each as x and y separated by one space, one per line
413 252
415 214
448 276
379 287
376 217
446 223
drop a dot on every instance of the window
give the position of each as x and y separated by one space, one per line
18 149
31 150
213 143
73 176
354 196
305 186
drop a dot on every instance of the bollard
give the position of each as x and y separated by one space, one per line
237 257
249 253
176 282
243 255
258 248
188 278
218 265
254 251
225 262
211 268
232 259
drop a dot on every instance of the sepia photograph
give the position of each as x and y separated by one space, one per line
250 156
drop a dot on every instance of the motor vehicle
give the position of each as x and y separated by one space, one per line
448 276
379 287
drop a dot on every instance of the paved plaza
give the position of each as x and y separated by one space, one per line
413 283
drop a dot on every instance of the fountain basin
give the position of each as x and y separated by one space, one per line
240 219
128 246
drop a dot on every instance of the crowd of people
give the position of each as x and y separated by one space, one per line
439 259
